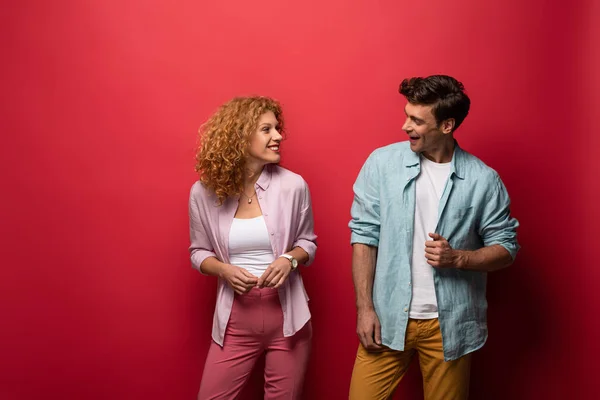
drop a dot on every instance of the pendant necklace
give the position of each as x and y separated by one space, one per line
249 198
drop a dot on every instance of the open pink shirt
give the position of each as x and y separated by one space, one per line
284 199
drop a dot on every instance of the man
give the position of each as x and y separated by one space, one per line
429 220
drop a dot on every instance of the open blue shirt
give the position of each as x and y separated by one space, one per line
473 213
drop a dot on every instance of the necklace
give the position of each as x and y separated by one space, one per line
249 198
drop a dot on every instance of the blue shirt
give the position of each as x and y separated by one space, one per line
473 213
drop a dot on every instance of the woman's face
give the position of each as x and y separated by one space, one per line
264 142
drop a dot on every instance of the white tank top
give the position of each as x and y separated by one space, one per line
249 245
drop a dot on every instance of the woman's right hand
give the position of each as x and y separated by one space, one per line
240 280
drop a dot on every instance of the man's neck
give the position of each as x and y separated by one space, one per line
443 154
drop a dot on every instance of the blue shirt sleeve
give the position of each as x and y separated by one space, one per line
365 222
497 226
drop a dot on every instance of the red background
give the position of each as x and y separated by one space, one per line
101 102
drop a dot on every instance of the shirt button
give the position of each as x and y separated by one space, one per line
405 309
260 197
266 215
409 283
272 234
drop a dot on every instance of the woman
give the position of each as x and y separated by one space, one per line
251 225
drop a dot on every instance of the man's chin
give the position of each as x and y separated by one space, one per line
415 148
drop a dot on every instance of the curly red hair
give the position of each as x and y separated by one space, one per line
224 140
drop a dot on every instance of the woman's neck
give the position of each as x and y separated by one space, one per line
251 177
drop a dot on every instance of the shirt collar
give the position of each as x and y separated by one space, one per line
457 165
265 177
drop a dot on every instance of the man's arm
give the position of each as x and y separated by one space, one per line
498 231
368 327
365 225
487 259
440 254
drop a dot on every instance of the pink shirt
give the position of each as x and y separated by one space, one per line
284 199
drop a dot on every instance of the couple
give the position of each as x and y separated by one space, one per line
429 220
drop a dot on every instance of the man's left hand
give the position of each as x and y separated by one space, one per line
440 254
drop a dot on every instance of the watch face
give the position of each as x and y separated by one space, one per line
293 261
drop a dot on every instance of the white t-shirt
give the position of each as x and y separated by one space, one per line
430 186
249 245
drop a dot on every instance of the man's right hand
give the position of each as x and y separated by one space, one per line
368 329
240 280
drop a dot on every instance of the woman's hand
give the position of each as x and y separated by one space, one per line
276 273
240 280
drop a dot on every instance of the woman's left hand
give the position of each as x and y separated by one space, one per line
276 273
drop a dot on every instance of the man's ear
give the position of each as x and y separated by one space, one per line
448 125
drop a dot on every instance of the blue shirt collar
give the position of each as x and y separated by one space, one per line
457 165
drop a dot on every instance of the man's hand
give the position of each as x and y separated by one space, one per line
276 273
240 280
368 329
439 254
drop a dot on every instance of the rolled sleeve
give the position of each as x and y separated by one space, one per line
365 222
305 235
200 246
497 225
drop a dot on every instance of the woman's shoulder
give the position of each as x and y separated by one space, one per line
288 178
197 189
200 192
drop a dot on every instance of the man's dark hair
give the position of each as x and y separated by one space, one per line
445 93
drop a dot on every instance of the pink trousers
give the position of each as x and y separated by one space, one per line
255 328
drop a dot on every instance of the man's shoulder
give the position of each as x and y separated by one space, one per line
473 166
396 151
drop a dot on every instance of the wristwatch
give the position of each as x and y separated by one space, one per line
293 261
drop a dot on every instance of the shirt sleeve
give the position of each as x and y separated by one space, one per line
365 222
305 235
497 226
200 246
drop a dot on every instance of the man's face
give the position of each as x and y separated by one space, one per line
424 134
